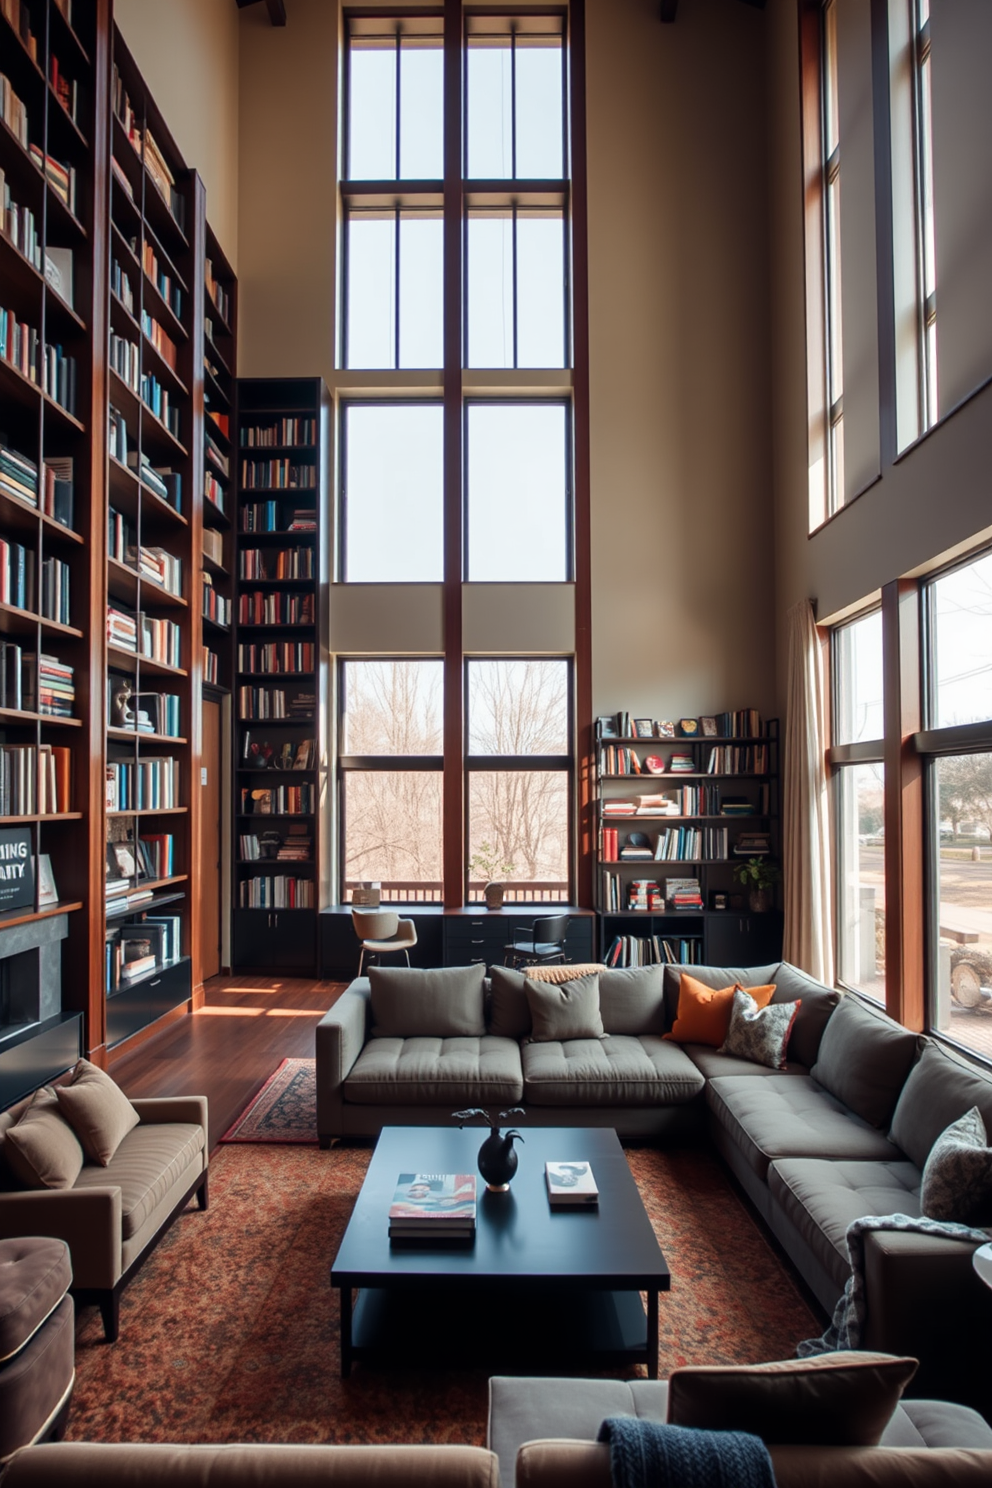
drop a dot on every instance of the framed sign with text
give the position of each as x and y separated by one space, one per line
16 868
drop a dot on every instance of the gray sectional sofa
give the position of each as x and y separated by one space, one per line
843 1131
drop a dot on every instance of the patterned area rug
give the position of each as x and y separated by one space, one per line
230 1330
284 1110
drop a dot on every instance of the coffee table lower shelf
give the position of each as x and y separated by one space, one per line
489 1327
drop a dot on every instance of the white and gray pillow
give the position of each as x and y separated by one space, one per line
759 1034
957 1178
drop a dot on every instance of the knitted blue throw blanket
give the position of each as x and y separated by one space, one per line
647 1454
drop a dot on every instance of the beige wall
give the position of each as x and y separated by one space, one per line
935 499
187 52
681 459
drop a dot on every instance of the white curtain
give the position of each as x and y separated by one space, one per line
805 808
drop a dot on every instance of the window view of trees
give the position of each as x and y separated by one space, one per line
964 874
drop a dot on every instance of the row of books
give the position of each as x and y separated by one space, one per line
19 478
280 474
135 951
120 284
167 286
654 950
160 640
34 779
681 844
216 606
59 174
261 607
215 454
213 490
649 895
222 420
282 432
273 702
65 88
269 516
157 855
274 564
738 759
276 657
19 224
13 111
160 401
48 690
722 759
295 847
211 666
17 567
55 591
216 290
17 13
278 800
21 347
125 360
151 712
276 891
162 342
150 784
288 754
744 723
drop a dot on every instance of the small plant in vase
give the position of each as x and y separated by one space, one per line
489 864
497 1158
759 877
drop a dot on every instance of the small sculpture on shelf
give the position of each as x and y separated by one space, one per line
497 1156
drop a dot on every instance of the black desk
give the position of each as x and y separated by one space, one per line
452 937
536 1286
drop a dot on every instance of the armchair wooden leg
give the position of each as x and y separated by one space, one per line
110 1311
202 1195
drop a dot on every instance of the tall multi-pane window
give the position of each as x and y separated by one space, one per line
858 787
454 471
958 743
832 281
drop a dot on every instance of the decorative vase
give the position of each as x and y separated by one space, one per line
760 901
493 893
498 1159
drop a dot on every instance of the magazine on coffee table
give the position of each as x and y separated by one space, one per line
570 1185
439 1205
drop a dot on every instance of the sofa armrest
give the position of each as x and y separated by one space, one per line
161 1110
340 1038
573 1464
924 1299
87 1219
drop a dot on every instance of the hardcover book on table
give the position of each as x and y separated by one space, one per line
432 1204
571 1185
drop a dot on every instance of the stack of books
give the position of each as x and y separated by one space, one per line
753 845
571 1185
683 893
681 764
645 896
122 630
18 476
433 1206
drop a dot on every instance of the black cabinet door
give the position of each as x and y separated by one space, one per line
275 939
734 939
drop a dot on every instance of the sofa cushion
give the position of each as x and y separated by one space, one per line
98 1111
864 1059
704 1012
842 1399
816 1004
509 1012
41 1148
791 1116
450 1072
759 1033
940 1088
713 1063
568 1011
632 999
150 1161
35 1275
957 1179
821 1198
714 977
441 1002
618 1070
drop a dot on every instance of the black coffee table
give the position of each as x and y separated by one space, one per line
536 1287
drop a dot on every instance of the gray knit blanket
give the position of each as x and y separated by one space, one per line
647 1454
848 1322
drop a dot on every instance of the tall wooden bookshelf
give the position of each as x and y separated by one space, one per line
154 470
721 794
53 123
220 318
280 731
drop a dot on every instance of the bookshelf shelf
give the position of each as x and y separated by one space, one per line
682 896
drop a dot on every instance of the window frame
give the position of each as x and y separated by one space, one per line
345 403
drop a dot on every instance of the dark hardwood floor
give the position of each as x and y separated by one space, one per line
229 1047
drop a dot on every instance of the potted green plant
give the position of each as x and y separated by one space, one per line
759 877
490 865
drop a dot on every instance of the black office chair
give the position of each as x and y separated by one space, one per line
546 944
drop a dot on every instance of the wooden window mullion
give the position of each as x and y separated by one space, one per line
905 961
454 536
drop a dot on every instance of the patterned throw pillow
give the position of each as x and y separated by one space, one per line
957 1178
759 1034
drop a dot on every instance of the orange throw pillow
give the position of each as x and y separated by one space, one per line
704 1014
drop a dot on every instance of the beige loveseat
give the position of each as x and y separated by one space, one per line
113 1216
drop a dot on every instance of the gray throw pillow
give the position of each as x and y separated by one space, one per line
509 1014
632 999
864 1059
442 1002
957 1179
566 1010
41 1149
98 1111
816 1004
940 1087
759 1034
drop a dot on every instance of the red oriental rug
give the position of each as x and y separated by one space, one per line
230 1331
284 1110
